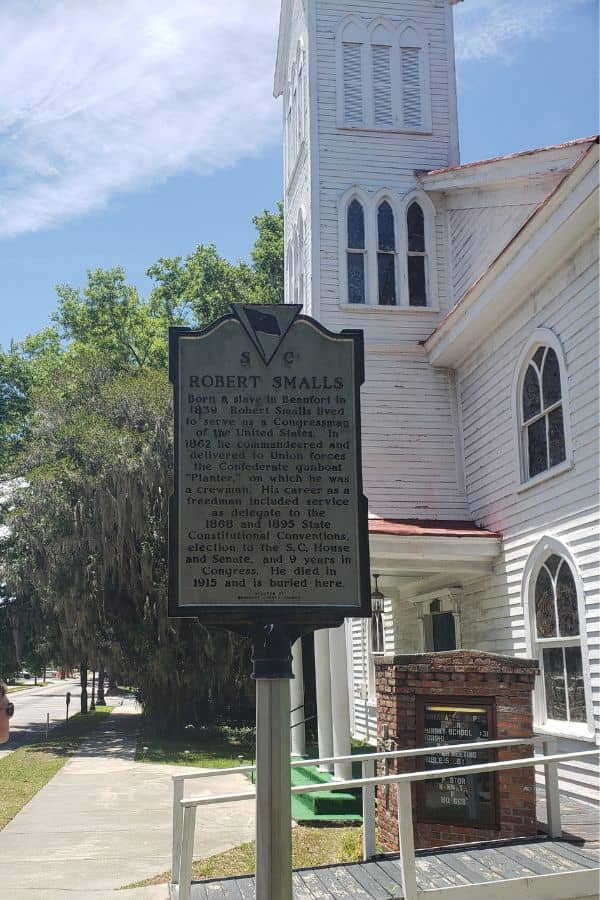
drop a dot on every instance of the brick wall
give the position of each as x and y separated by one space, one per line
401 680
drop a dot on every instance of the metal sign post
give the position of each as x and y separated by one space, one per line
272 659
268 523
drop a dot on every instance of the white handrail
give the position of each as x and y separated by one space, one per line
364 758
188 806
360 757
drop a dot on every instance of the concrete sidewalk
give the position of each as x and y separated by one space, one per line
104 821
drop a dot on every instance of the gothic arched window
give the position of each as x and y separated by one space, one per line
414 81
356 252
417 256
557 636
542 422
381 44
386 255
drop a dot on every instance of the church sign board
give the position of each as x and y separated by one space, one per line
458 800
268 521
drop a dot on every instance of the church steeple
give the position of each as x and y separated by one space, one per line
369 100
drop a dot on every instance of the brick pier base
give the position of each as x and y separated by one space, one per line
457 675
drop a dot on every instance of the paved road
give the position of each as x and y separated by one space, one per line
32 706
104 821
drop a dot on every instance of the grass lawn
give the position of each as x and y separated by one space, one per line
11 688
25 771
207 747
310 847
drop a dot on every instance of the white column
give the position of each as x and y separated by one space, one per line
323 688
273 796
340 701
298 731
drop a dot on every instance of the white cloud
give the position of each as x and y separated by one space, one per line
491 29
104 96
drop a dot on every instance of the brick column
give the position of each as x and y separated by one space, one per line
454 676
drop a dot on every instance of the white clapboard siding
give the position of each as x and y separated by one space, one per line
477 236
566 506
373 159
408 439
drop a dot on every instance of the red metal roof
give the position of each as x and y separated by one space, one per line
482 162
429 528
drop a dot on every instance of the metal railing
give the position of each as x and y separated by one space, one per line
184 809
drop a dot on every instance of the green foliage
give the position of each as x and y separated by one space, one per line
86 423
204 284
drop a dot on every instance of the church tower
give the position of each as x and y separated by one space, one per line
369 103
369 99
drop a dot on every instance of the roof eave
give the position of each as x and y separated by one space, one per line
552 230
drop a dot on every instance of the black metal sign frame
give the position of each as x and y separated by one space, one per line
243 617
460 703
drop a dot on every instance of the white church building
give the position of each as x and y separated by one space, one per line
476 287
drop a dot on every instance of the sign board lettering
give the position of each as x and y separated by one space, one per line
458 800
268 521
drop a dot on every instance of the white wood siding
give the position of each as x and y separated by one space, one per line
408 434
565 506
375 160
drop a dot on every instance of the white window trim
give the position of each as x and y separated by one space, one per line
544 548
450 601
371 656
429 214
370 204
295 114
541 337
353 29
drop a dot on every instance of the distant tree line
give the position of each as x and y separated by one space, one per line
85 456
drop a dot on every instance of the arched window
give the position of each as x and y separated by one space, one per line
301 261
301 95
350 73
381 42
415 113
290 272
386 255
556 631
543 442
417 256
356 252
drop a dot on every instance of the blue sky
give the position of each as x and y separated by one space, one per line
131 129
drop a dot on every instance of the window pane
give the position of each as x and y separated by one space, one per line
356 226
554 683
417 290
556 434
538 357
552 563
356 278
385 227
551 379
416 229
544 606
575 685
566 602
387 278
536 445
531 394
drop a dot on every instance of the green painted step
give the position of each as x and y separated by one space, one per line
324 805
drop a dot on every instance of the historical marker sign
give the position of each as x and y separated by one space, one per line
268 521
